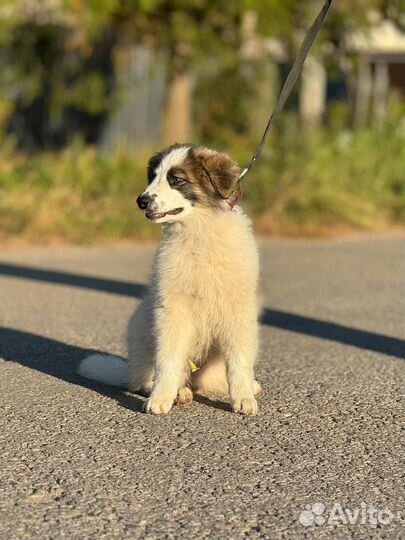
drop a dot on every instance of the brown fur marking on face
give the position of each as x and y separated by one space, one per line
223 173
213 176
157 158
187 188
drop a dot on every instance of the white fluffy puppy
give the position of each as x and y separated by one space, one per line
201 305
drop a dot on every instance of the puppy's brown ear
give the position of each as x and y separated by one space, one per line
221 170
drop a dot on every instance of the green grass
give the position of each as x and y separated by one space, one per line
76 196
309 183
325 181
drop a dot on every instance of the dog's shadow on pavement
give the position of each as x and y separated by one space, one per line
59 360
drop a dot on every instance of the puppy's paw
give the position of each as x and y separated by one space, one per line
184 396
245 406
155 405
257 389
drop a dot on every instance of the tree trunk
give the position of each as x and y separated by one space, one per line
177 118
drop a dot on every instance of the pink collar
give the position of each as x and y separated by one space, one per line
234 200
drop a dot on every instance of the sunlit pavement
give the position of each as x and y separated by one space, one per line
324 459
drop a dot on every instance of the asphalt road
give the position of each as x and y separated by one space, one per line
80 460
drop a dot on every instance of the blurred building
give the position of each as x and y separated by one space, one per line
368 69
380 52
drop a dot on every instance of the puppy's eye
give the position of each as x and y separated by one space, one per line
176 180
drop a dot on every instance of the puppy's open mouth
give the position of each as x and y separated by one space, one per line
154 216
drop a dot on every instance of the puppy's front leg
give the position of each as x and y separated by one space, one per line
174 330
240 350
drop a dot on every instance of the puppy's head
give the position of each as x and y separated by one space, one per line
185 178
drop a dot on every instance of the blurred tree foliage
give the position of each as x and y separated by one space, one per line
57 59
57 80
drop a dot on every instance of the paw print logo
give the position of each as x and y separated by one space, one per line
312 515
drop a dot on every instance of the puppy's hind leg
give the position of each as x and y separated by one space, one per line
212 377
184 396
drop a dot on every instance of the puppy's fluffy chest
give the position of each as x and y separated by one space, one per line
208 260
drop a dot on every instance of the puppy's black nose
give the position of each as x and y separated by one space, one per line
143 201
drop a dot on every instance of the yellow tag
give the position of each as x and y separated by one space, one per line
193 366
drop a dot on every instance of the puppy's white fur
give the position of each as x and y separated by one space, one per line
200 305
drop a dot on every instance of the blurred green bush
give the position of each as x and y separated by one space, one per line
322 181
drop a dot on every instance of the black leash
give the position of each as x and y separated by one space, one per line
291 80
